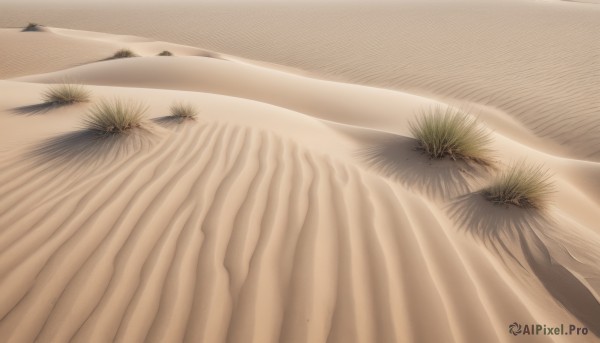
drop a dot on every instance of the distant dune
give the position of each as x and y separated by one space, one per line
295 207
584 1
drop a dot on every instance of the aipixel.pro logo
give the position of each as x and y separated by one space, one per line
545 330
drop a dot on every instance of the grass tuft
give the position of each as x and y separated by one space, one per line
66 93
124 53
114 117
522 185
166 53
450 132
183 110
31 27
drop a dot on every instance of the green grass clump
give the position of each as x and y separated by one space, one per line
32 27
166 53
124 53
450 132
114 117
64 94
522 185
183 111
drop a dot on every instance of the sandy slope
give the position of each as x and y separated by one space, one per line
293 209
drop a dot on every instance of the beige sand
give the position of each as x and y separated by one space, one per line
294 209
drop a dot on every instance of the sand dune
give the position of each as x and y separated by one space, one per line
295 209
219 232
537 60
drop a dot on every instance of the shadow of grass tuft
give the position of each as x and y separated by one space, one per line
41 108
86 148
172 121
513 231
398 158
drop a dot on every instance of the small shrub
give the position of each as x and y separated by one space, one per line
522 185
63 94
452 133
124 53
165 53
32 27
116 116
183 111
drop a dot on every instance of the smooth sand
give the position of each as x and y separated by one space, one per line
295 209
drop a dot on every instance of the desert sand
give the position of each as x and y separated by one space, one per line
295 207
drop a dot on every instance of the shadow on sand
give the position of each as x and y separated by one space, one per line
514 231
171 122
88 148
41 108
397 157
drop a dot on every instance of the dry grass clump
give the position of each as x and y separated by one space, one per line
124 53
32 27
450 132
522 185
114 117
65 93
166 53
183 111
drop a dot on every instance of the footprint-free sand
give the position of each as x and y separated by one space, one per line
295 207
